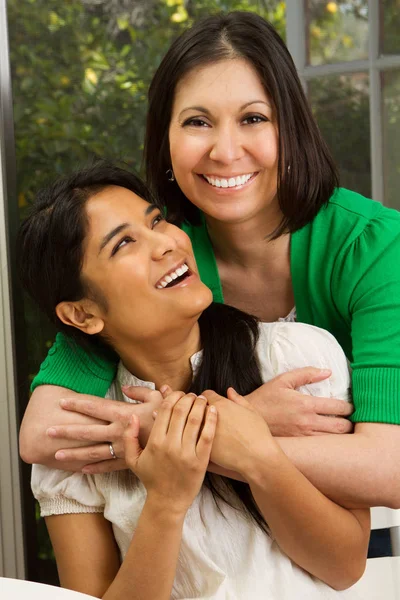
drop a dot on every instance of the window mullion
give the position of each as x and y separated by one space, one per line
375 84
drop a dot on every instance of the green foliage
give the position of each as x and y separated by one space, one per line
81 70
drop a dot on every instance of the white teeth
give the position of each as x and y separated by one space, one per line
231 182
171 276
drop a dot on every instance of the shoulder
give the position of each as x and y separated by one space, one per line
354 214
286 346
349 226
286 340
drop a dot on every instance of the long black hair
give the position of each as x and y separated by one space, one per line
307 174
51 245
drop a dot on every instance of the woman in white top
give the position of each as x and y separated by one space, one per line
95 255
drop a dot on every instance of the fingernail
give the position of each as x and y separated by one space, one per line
201 396
155 413
51 431
325 371
60 455
86 470
125 387
63 402
164 388
213 409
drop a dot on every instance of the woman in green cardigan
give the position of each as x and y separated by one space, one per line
234 153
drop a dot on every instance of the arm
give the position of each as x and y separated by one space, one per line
78 427
357 470
41 443
35 445
93 566
325 539
172 469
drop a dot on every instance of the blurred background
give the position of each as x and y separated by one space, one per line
76 86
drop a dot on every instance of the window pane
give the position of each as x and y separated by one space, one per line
390 19
391 131
341 107
337 31
81 70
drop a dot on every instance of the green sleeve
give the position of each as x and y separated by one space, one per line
368 274
68 365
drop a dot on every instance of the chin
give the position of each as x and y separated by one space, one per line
200 301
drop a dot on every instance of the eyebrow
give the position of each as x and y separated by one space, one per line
207 112
111 234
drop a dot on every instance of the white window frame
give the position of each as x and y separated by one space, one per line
374 65
12 560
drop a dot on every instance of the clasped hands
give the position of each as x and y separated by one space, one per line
286 411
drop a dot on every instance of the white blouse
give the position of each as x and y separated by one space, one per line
220 558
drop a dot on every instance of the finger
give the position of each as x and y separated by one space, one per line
105 466
335 425
83 433
179 417
298 377
138 392
212 397
87 454
165 390
106 410
326 406
164 414
131 442
204 445
237 398
194 422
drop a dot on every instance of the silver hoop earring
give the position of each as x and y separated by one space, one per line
170 175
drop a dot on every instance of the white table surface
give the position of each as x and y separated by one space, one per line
17 589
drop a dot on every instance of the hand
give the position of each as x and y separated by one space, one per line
242 435
174 462
115 417
290 413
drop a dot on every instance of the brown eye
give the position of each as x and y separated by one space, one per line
158 219
125 240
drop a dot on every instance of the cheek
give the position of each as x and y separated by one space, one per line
186 151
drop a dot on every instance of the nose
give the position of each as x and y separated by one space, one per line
227 144
162 244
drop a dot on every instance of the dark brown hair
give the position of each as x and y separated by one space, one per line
306 172
51 247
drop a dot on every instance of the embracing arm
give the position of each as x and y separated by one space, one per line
43 411
325 539
357 470
172 469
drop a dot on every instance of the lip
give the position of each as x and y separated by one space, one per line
227 190
174 268
182 284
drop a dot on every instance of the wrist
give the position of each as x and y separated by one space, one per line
263 465
162 510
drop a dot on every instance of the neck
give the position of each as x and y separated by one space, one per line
165 360
247 244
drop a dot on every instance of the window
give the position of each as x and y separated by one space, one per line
79 75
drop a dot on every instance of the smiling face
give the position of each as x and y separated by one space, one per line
141 267
224 142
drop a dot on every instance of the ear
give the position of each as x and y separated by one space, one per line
80 315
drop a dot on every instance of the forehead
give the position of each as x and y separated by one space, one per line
110 208
234 79
114 202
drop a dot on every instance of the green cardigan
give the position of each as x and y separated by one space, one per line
345 268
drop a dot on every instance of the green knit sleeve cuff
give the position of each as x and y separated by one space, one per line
68 365
376 394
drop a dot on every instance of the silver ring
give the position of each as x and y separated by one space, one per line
113 455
